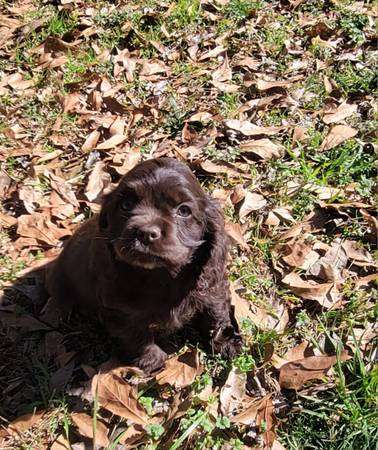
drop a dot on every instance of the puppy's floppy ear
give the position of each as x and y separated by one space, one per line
109 200
106 207
215 229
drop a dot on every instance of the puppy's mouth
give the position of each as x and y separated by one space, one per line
137 254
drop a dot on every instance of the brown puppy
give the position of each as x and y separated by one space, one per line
151 262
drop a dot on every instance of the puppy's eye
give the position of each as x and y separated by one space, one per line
126 204
184 211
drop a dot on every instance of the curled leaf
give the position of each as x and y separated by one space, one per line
252 202
233 392
118 396
84 424
325 294
338 135
294 374
249 129
180 371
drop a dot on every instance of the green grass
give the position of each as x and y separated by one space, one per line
275 116
61 23
353 80
229 104
353 25
77 65
342 419
273 38
186 12
315 86
339 167
9 269
241 9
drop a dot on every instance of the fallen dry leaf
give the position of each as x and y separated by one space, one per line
275 318
249 413
363 338
267 421
40 227
32 197
340 113
325 294
63 188
117 127
234 230
222 76
112 142
153 68
24 321
300 134
277 445
60 443
98 181
219 168
7 220
300 254
180 371
263 85
203 117
25 422
252 202
249 129
249 62
358 255
293 354
365 281
221 195
70 102
212 53
123 162
5 182
260 103
238 194
84 424
61 377
278 215
133 435
263 148
330 266
294 374
337 135
91 141
17 82
242 306
118 397
233 392
259 412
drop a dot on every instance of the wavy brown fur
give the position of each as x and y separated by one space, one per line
143 289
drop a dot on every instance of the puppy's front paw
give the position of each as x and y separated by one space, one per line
227 342
152 358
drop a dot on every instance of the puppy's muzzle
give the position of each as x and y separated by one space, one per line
148 234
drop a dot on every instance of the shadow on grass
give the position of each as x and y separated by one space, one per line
47 363
43 359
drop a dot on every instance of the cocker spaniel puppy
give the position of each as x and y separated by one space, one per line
152 261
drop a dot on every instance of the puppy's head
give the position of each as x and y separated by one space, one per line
157 216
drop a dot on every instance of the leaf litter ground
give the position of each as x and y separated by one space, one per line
273 105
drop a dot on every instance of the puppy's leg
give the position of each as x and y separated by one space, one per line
136 343
151 358
219 323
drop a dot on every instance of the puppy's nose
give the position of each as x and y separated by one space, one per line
149 234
